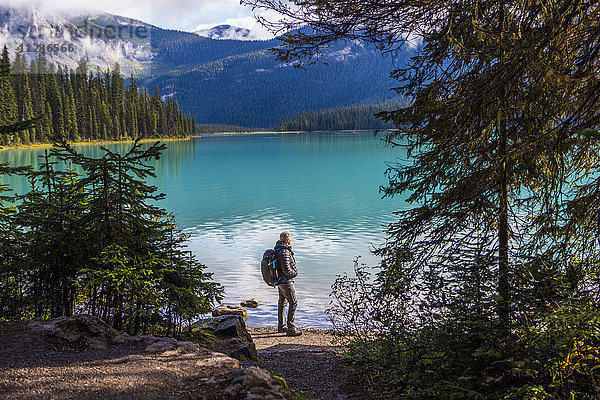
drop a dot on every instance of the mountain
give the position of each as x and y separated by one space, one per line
105 39
230 82
253 89
223 32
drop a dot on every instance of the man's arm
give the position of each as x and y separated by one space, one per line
288 264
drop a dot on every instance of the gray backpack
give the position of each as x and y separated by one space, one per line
269 268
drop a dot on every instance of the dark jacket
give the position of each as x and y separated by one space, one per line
285 260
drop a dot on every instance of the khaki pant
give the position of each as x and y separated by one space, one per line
287 294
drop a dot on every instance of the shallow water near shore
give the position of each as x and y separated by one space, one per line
233 195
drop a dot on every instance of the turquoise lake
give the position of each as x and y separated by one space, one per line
233 195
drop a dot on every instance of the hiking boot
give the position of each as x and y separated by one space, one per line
281 330
293 332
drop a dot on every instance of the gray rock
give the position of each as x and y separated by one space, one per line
91 330
252 303
226 326
159 344
98 335
251 383
212 323
231 336
244 352
228 309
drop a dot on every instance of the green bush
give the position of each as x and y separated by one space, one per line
552 350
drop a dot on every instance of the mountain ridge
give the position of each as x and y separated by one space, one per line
29 29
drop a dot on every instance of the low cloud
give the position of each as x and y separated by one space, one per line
257 31
185 15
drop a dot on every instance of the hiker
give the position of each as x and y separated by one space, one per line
287 291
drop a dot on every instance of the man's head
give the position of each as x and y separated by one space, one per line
285 237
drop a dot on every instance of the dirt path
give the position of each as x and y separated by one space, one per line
311 363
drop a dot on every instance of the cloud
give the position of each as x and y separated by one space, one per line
186 15
257 31
129 8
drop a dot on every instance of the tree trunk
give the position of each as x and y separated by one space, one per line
503 284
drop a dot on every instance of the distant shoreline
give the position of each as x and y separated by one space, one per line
247 133
283 132
200 135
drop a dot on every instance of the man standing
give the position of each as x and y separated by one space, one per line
287 291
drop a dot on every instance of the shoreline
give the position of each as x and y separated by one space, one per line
93 142
248 133
101 142
313 364
283 132
200 135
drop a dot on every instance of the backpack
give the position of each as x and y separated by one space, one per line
268 266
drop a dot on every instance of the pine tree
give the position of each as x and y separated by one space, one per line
133 255
55 104
11 276
82 105
8 104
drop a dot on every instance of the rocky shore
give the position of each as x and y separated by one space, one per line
81 357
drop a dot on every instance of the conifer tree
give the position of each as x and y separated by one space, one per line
8 104
11 276
54 244
135 267
82 105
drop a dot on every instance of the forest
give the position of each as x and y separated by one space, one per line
83 105
219 128
341 118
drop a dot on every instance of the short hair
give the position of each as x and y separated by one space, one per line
285 236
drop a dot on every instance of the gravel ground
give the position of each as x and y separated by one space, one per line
311 363
35 366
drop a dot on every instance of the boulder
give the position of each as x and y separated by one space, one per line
231 336
251 383
98 335
244 352
225 326
156 344
228 309
252 303
91 330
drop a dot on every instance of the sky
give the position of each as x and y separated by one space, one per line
185 15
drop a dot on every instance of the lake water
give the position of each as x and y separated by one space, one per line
234 194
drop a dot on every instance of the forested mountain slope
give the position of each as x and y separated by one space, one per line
253 89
